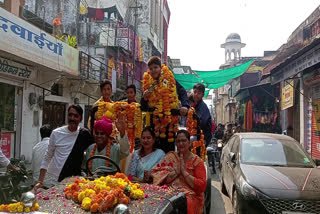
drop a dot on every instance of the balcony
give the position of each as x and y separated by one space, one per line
92 69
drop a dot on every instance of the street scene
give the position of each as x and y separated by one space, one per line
160 106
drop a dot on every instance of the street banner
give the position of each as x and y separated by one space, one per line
315 143
5 144
287 96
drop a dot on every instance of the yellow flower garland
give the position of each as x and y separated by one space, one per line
103 193
163 98
18 207
133 117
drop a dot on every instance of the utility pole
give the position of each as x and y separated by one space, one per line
136 7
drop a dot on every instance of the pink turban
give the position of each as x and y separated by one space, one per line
104 125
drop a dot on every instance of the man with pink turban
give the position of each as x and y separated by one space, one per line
106 144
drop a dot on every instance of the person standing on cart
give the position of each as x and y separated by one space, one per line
154 65
202 111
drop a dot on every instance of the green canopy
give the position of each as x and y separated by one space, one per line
212 79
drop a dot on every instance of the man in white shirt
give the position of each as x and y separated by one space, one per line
64 155
38 152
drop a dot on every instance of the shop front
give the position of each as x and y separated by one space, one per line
311 80
257 109
298 76
12 75
31 62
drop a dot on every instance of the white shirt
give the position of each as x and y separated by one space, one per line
4 161
38 152
60 146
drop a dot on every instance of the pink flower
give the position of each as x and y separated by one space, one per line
164 187
170 164
163 164
146 195
161 197
151 202
130 178
160 201
46 198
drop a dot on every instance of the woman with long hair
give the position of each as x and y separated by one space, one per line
145 158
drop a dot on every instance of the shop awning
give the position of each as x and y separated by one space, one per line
253 86
212 79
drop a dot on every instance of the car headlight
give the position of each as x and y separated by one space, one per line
247 190
219 145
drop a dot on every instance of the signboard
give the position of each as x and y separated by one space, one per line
287 96
10 68
306 60
5 144
312 77
315 143
22 39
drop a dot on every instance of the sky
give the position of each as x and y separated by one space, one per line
198 28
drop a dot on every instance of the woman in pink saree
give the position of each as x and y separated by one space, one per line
183 171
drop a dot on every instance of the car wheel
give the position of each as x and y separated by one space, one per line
238 204
223 188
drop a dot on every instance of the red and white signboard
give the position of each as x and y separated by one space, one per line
5 144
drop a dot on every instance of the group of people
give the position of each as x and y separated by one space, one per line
60 153
220 133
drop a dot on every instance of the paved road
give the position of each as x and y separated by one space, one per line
220 204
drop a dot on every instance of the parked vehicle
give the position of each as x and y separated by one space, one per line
12 183
269 173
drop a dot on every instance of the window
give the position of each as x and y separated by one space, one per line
57 89
273 152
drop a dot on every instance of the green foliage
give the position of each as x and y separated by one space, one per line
70 40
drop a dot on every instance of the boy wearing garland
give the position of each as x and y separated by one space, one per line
160 101
202 111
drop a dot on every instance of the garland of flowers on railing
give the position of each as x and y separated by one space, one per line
193 127
103 193
163 99
133 117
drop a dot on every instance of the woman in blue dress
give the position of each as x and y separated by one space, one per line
145 158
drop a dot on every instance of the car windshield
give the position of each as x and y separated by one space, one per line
273 152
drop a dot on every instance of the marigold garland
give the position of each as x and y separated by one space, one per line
194 128
18 207
103 193
133 117
163 98
94 150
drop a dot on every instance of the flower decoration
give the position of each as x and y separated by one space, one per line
133 117
163 98
94 150
193 127
103 193
18 207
